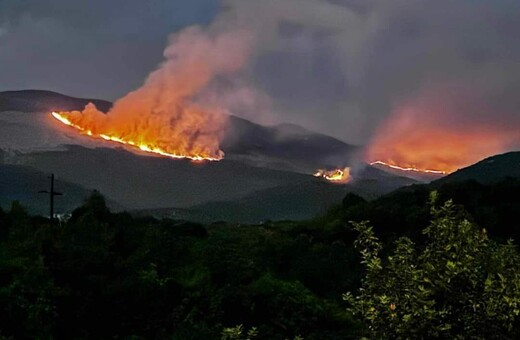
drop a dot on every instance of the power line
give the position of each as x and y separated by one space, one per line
52 194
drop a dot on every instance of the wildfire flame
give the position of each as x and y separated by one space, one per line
413 169
336 175
439 132
141 145
171 114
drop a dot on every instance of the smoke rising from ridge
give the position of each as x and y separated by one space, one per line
350 68
163 114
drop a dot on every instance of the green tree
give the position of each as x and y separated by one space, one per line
238 333
459 284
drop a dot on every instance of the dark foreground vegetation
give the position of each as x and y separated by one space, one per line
103 275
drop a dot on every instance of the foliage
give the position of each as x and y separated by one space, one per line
106 275
237 333
459 285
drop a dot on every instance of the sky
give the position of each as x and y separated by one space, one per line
348 68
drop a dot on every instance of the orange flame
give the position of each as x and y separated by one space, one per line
336 175
434 133
413 169
142 146
166 115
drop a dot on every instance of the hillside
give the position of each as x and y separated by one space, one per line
298 201
488 190
45 101
283 147
420 176
490 170
266 174
19 183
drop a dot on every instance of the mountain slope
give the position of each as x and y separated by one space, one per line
140 182
299 201
283 147
20 183
487 171
420 176
45 101
267 171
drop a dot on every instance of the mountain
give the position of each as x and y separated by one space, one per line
283 147
488 171
45 101
140 182
420 176
266 174
21 183
298 201
488 190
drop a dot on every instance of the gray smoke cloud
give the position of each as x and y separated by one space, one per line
342 67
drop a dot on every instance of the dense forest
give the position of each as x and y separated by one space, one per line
426 265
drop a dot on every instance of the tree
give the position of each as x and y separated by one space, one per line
459 284
237 333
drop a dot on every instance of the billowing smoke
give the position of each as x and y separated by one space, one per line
441 76
164 114
432 85
425 84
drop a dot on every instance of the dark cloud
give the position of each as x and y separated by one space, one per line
90 48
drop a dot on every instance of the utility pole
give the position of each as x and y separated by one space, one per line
51 193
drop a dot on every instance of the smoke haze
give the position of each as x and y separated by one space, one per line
367 72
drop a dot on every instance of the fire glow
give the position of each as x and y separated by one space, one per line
434 133
171 114
142 146
413 169
336 176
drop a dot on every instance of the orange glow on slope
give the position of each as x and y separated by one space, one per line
170 114
393 166
336 175
138 143
431 135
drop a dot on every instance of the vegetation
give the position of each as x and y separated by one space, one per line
459 285
106 275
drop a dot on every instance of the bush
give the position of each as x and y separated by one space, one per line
460 284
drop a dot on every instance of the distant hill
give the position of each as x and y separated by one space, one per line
487 171
45 101
420 176
20 183
283 147
290 202
488 190
140 182
266 174
295 201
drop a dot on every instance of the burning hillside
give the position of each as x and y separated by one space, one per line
432 134
336 176
411 169
165 116
142 144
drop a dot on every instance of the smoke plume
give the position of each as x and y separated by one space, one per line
164 114
413 80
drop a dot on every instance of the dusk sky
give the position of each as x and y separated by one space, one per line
342 67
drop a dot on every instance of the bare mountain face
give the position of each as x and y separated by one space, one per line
265 166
